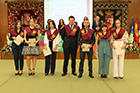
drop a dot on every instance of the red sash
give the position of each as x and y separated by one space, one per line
71 32
102 36
108 25
50 36
86 36
119 35
13 33
31 33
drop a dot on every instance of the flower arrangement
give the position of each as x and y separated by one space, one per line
7 47
132 47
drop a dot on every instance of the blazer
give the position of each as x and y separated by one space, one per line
69 41
95 25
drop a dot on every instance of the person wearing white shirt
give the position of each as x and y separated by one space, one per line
118 34
51 40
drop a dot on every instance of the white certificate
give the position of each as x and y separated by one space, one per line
118 45
86 48
47 52
32 42
18 40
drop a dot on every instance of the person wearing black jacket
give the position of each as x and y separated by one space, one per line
17 49
86 36
69 35
97 24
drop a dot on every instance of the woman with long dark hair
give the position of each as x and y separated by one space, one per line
29 51
51 40
61 24
17 49
104 50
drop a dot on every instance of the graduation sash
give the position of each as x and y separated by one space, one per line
50 36
13 33
102 36
108 25
71 32
119 35
86 36
31 33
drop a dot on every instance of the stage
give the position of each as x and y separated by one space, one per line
9 83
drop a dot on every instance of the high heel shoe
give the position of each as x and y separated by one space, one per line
30 73
33 72
17 73
20 73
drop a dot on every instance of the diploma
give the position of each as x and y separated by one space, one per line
32 42
18 40
86 48
118 45
47 52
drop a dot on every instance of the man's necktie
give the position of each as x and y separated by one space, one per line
71 27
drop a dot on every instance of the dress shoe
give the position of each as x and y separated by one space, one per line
105 76
64 74
121 77
80 75
52 74
17 73
74 74
102 75
91 76
46 74
20 74
116 77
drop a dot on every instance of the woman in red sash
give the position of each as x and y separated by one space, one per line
51 40
118 41
104 50
31 46
17 49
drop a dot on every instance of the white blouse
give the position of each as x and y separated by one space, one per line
124 37
55 41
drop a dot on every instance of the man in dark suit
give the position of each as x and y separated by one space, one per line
86 36
69 35
97 24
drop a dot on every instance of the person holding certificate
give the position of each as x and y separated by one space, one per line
118 40
69 34
31 46
86 40
51 40
17 48
103 50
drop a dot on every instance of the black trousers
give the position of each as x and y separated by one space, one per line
67 53
17 57
53 61
82 58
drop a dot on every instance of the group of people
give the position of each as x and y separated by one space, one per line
101 35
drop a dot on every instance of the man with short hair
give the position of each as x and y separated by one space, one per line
97 24
69 35
86 40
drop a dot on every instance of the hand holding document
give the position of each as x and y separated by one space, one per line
18 40
118 45
32 42
86 47
47 51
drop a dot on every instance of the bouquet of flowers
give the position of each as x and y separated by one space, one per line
7 47
132 47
